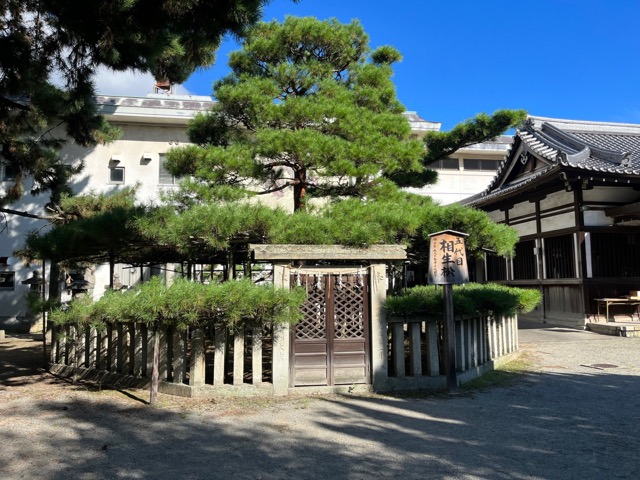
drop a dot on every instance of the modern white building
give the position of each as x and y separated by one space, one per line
151 126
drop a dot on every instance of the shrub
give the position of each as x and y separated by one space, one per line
469 299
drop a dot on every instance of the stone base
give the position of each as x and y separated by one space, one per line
616 329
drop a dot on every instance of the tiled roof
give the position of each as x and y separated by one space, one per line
589 146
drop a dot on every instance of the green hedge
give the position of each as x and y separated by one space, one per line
234 304
469 299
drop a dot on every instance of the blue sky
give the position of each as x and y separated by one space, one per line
562 58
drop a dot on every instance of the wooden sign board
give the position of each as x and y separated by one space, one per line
448 258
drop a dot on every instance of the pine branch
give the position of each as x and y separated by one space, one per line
479 129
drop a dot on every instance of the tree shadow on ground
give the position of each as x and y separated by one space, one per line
547 425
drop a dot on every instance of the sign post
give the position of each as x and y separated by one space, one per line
448 267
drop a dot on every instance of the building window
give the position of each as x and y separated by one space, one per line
7 172
524 263
481 164
615 254
116 175
165 177
559 257
496 268
446 164
7 280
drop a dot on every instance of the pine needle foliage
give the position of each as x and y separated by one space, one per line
481 128
468 300
51 50
126 233
235 305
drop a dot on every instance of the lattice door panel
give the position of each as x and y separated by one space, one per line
313 325
330 345
349 306
350 345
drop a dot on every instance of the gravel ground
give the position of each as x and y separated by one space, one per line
574 414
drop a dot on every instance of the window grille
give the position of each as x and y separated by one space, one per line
559 255
496 268
524 263
615 254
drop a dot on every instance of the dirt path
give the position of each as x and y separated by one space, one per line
567 418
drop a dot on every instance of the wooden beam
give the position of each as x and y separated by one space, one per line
632 210
327 252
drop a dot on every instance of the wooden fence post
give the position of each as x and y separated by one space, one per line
415 354
431 339
220 347
238 357
179 356
197 367
398 349
256 356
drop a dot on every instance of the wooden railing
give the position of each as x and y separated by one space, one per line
209 360
196 358
416 349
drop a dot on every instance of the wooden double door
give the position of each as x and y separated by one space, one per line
330 345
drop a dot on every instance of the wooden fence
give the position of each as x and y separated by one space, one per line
416 358
193 358
209 360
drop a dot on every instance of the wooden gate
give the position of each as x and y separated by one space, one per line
330 345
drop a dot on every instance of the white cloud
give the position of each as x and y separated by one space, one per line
130 83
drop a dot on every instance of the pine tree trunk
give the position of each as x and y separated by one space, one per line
300 190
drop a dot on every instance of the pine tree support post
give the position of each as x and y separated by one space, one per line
153 397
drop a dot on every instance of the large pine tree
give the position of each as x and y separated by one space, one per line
308 108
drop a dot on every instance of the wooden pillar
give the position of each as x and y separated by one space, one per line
163 365
415 353
484 339
150 340
93 347
281 338
494 339
468 342
197 367
397 350
473 347
138 343
73 346
449 340
54 345
220 346
179 356
432 339
460 350
120 347
238 357
379 327
102 359
256 356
